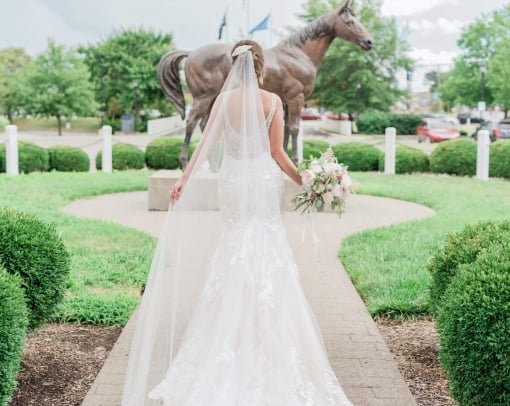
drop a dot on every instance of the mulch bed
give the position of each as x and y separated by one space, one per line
61 361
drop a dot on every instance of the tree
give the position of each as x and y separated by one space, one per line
56 84
12 61
499 78
479 43
351 79
123 69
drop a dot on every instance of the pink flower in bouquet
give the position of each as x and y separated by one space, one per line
337 191
307 176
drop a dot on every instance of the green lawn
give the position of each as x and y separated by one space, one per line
110 262
388 265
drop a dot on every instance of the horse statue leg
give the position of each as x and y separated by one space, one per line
292 121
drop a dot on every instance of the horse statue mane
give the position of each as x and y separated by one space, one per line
290 71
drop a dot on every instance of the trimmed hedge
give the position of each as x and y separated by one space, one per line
314 148
462 248
499 163
376 122
124 156
454 157
163 153
68 159
408 160
358 156
31 157
33 250
474 329
13 327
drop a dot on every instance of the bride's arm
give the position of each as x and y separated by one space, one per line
276 132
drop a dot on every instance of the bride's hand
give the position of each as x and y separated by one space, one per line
175 192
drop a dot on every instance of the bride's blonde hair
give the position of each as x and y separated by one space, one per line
256 50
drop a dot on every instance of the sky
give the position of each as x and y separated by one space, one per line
434 25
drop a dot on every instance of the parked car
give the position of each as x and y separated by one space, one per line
490 126
504 128
436 130
310 114
463 117
497 130
440 116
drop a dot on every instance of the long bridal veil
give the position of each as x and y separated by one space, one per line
233 150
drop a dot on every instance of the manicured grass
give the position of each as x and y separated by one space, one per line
110 262
388 265
42 123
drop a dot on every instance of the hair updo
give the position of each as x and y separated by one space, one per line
256 51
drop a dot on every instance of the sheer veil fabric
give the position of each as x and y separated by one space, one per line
223 320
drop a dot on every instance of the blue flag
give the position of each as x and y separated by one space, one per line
263 25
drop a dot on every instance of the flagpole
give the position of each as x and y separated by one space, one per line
270 27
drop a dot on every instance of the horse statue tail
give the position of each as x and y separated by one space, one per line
170 81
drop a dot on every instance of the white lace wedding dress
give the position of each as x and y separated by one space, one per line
252 339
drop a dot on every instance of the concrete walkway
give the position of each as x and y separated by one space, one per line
357 351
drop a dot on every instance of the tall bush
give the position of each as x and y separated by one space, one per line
13 327
454 157
358 156
474 329
33 250
461 248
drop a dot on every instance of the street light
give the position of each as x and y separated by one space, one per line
483 71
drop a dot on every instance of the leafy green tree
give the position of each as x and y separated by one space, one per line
123 69
351 79
12 61
479 43
55 84
499 78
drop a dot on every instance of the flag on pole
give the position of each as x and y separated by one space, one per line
263 25
222 25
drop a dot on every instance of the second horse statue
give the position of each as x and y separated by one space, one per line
291 70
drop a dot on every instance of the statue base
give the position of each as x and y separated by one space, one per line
162 181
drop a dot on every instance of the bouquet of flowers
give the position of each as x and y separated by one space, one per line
325 182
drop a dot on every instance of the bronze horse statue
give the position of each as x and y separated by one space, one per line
290 70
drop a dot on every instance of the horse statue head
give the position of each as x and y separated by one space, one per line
348 27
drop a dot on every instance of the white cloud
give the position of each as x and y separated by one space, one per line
407 7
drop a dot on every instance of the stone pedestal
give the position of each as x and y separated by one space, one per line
162 181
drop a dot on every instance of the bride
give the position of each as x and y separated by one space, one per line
223 320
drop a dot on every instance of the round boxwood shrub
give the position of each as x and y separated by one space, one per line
124 156
474 330
314 148
68 159
461 248
499 162
163 153
358 156
13 327
31 157
454 157
33 250
408 160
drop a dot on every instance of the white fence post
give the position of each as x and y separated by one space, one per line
11 150
106 162
482 155
390 150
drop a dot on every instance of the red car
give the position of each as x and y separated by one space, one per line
437 130
310 114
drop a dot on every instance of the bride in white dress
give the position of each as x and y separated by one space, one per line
223 320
